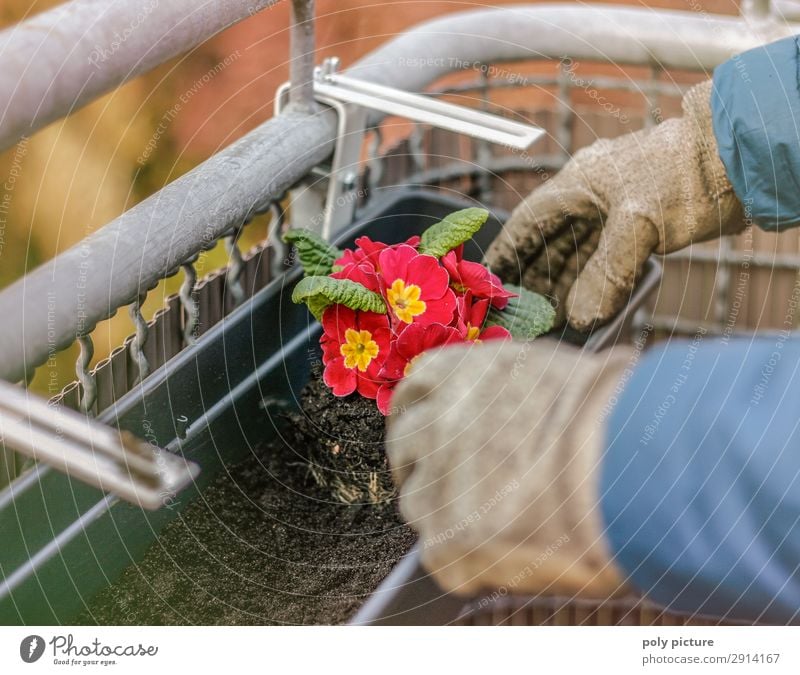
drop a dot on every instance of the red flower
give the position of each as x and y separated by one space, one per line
362 273
361 264
471 276
471 317
406 348
370 353
416 287
367 251
355 346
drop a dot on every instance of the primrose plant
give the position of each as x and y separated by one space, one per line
381 306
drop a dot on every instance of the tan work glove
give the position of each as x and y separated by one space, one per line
612 205
496 450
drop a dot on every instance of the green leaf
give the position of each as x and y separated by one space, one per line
455 229
526 316
314 253
319 292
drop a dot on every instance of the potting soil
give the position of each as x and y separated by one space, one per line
299 533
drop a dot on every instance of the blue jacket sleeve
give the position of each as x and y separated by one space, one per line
701 477
755 105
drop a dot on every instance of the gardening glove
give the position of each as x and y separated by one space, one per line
496 450
583 237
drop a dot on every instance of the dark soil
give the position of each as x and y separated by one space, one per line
299 533
342 442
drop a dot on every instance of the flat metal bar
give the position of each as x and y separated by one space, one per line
70 396
515 80
112 460
427 110
105 271
105 384
16 401
119 371
735 258
174 326
58 61
301 49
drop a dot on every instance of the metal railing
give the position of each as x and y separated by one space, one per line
62 59
62 301
128 257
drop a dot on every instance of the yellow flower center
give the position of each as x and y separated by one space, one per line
410 364
359 349
404 300
473 332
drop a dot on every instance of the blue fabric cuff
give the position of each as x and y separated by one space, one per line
701 477
755 105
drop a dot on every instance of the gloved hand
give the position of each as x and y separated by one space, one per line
496 450
612 205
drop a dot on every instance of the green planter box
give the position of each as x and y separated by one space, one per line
63 542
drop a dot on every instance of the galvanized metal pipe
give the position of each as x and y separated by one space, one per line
66 297
606 33
60 60
301 64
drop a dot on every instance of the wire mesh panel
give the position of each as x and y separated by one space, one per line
172 328
724 287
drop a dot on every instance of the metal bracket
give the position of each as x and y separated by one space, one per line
332 208
109 459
